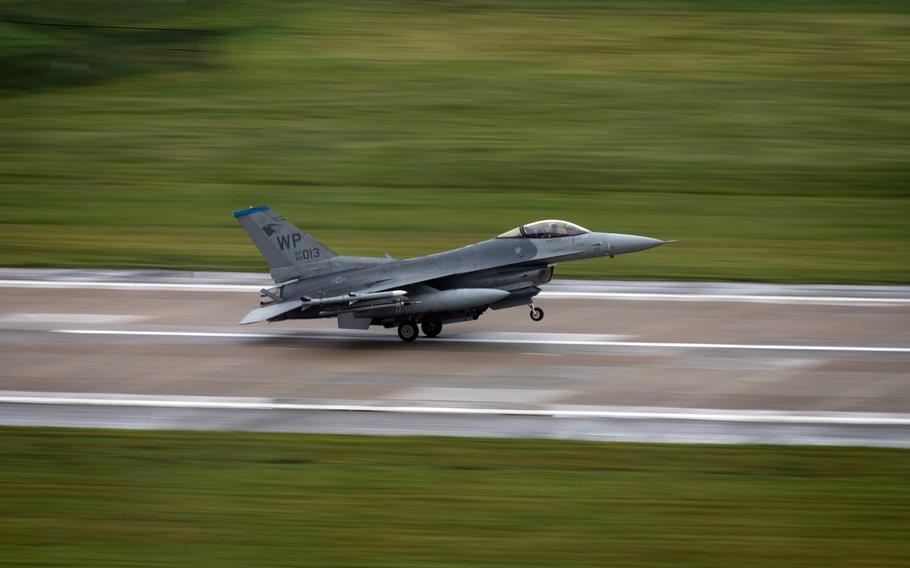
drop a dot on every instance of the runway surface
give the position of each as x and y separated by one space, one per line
688 362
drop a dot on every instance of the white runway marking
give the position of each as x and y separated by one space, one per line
553 295
154 286
706 415
68 318
735 298
515 338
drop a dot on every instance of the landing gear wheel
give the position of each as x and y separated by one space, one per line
431 328
407 331
536 314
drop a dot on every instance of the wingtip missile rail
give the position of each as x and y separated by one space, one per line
354 297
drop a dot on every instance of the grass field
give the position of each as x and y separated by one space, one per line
119 498
772 138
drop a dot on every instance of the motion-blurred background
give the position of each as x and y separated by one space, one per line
772 138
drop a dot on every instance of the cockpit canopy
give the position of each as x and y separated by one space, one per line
549 229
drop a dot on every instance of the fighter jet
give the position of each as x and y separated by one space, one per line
312 281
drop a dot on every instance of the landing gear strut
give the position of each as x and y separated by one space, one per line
407 331
431 328
536 313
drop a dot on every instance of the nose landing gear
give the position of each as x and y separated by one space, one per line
536 313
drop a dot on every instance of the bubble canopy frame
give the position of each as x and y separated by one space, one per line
546 229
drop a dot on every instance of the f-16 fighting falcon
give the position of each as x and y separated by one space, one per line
312 281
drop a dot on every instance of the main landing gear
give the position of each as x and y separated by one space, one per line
407 330
536 313
431 328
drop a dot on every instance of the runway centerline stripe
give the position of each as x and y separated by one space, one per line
545 294
152 286
737 298
705 415
493 340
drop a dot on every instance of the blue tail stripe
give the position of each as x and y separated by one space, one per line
243 212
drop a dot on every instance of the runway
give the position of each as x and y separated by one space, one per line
687 362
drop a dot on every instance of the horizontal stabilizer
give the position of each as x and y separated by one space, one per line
271 311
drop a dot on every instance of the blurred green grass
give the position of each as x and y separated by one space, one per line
121 498
773 139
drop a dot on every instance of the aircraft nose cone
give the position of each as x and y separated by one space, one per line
623 244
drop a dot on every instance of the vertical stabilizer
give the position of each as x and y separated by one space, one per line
286 247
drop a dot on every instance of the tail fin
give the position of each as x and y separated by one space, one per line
286 247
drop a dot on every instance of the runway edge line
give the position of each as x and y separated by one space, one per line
699 414
515 340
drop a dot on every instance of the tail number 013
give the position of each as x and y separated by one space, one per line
306 254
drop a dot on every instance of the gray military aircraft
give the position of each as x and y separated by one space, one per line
456 285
